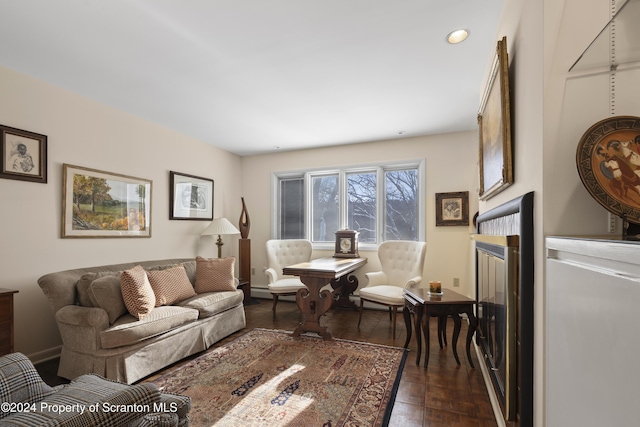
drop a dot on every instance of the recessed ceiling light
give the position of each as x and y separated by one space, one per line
402 132
457 36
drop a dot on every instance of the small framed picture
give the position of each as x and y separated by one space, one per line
104 204
191 197
452 208
24 155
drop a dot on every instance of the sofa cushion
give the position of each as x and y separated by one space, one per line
170 285
212 303
83 289
105 293
189 266
137 292
20 382
215 274
127 330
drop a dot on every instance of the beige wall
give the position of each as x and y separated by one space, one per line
84 133
450 163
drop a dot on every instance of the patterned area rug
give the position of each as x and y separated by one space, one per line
270 378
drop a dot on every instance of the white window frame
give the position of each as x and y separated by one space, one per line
379 168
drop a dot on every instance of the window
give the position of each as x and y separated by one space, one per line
291 208
380 202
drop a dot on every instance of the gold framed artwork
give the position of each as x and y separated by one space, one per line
24 155
452 208
608 161
494 122
103 204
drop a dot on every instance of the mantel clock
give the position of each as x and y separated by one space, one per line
346 244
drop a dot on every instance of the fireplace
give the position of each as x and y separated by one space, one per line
504 290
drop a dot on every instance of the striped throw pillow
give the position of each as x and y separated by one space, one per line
215 274
170 285
136 291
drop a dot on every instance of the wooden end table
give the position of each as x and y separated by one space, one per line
425 305
6 321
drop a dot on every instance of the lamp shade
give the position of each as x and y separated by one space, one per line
220 226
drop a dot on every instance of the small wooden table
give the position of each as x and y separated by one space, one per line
6 321
426 305
316 274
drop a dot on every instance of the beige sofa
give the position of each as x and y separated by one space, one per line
100 336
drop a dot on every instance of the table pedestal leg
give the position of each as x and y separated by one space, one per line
313 305
343 287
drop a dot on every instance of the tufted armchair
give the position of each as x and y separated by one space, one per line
402 263
281 253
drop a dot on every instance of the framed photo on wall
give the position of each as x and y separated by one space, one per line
452 208
24 155
494 122
191 197
103 204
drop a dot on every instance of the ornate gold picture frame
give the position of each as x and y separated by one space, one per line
494 122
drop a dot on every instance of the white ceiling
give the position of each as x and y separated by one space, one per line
251 75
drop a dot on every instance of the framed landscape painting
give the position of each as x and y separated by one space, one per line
103 204
24 155
494 122
190 197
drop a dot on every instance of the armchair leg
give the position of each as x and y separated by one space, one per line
360 315
393 321
275 302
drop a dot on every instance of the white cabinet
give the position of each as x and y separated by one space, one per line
592 346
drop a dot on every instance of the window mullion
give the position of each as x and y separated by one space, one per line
343 222
381 194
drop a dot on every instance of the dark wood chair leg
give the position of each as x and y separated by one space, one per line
275 302
393 321
360 315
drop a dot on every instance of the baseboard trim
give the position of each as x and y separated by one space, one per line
45 355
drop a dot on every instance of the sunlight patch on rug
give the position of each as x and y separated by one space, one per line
270 378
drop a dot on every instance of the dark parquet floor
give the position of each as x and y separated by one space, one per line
443 395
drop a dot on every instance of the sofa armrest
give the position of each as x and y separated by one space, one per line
376 278
80 327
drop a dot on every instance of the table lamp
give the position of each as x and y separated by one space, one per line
220 226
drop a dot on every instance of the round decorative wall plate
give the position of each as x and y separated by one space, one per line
608 160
